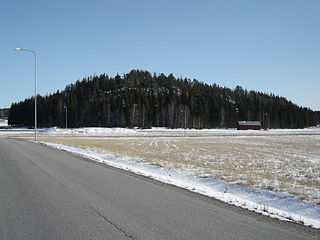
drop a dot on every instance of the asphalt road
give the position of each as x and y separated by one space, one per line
51 194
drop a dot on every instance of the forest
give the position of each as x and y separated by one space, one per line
144 100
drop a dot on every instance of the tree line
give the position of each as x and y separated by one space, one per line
145 100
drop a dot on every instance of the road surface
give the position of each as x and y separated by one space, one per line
50 194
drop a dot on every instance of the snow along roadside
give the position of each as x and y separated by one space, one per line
276 205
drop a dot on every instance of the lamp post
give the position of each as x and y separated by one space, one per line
267 119
66 108
35 87
185 117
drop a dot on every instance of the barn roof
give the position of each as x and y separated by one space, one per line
249 123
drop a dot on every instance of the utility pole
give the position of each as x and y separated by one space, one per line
66 109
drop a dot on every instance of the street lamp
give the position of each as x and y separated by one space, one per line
35 87
66 108
185 117
267 119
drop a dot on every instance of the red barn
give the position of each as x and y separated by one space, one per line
249 125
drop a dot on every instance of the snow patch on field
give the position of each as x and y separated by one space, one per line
101 131
277 205
95 131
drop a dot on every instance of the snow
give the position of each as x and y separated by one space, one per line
15 131
54 131
277 205
100 131
89 131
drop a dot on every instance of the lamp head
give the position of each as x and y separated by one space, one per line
17 49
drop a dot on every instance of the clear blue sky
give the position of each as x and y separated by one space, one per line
264 45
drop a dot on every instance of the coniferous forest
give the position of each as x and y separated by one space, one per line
144 100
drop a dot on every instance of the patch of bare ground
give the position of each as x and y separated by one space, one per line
288 164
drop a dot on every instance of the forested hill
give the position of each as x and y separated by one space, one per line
140 99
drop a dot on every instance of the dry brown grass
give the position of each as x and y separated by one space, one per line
281 163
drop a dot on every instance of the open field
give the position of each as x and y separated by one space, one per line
280 161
